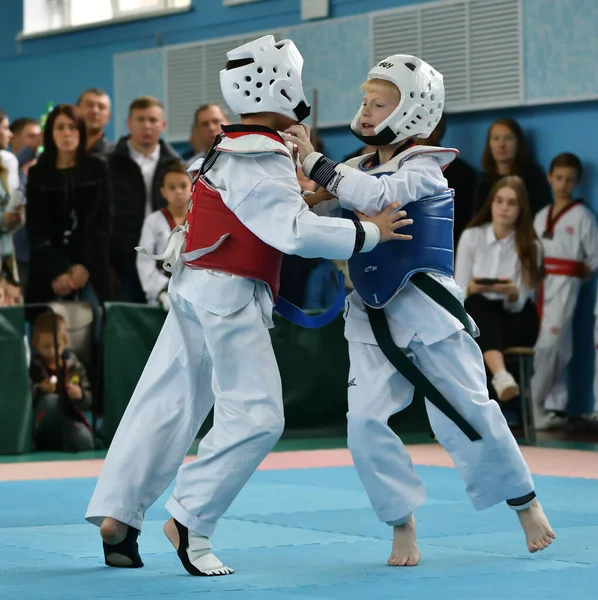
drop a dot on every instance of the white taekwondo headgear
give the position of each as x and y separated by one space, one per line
268 79
420 106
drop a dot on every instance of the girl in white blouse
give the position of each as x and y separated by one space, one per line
498 267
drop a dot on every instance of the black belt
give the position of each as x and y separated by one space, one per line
402 363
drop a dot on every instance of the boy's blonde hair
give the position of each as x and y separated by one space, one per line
380 86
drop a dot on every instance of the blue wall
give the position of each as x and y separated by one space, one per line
57 68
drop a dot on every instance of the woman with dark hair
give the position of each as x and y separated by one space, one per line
506 153
498 268
68 215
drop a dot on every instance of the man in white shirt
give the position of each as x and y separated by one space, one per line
135 165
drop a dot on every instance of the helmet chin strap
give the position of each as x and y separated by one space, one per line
384 138
302 111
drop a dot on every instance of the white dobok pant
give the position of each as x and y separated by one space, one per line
554 348
492 468
199 360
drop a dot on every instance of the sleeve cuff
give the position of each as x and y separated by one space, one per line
309 162
323 171
372 236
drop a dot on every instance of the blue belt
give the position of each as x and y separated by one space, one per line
294 314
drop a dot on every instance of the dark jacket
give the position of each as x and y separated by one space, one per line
129 198
102 147
73 372
54 196
538 189
462 178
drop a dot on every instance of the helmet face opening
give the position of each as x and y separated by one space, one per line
421 104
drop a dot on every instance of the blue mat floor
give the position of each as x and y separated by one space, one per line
299 534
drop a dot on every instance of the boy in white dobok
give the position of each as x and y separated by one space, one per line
215 348
156 231
569 235
405 321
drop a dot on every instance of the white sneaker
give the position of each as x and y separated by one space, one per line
545 420
505 385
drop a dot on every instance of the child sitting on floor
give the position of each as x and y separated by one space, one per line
57 425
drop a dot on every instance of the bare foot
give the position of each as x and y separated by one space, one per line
405 552
114 532
538 532
196 553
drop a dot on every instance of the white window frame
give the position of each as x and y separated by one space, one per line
167 8
235 2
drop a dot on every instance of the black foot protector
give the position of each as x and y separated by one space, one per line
127 548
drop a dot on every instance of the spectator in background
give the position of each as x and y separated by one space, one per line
10 292
10 295
14 296
3 291
207 123
69 214
52 419
12 214
94 105
461 177
569 234
500 243
5 132
136 167
26 140
507 153
156 229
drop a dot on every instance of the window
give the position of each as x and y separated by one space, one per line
54 16
234 2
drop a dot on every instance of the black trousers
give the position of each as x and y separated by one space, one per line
48 429
500 329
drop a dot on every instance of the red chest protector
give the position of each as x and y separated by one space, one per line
240 253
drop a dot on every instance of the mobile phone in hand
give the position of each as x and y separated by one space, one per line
488 281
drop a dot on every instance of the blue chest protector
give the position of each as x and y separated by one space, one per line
378 276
